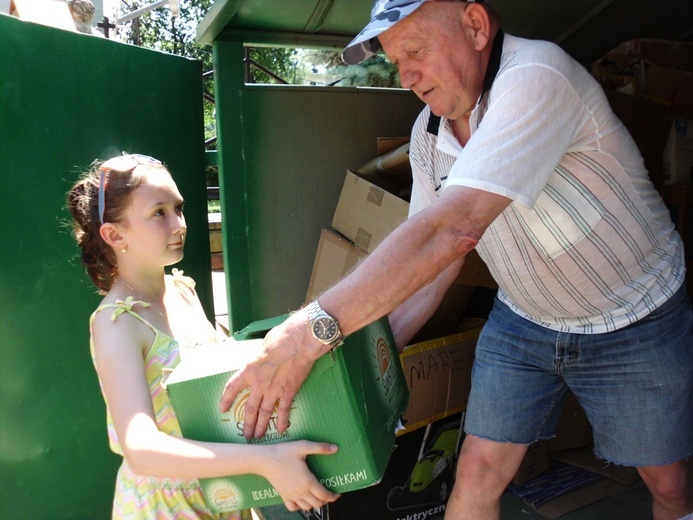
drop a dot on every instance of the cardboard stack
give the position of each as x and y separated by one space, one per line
657 76
420 475
437 364
372 203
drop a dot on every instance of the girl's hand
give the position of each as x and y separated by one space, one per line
288 472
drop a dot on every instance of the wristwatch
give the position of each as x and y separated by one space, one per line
325 328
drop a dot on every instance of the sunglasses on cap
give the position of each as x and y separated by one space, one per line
123 164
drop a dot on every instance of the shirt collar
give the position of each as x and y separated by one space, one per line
491 73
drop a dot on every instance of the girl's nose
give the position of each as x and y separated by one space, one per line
180 227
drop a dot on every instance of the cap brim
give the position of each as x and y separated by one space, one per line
366 44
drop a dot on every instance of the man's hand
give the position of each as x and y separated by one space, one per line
286 358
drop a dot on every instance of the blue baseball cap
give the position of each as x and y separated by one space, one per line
385 14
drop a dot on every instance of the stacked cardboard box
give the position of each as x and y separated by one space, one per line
658 71
371 205
437 365
658 76
419 476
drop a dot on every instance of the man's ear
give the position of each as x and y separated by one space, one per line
477 22
112 235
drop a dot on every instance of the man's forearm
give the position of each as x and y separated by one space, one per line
407 319
412 257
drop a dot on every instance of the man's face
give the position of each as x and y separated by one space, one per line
437 59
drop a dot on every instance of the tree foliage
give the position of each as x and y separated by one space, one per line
377 71
283 66
159 30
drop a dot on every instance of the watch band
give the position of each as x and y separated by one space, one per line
316 314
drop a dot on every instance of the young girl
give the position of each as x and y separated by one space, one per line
128 219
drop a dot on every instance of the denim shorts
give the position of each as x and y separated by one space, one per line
635 384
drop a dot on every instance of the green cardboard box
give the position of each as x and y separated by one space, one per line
353 397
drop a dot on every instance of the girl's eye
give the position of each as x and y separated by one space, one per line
180 207
159 212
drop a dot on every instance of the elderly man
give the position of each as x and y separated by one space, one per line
518 155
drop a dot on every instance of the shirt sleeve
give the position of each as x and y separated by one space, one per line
533 116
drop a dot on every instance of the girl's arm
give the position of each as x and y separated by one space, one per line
118 348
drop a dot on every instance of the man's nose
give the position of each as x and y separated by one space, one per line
408 76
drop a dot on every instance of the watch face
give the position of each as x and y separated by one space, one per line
324 329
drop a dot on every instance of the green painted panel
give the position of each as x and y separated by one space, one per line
328 18
298 143
586 29
345 17
65 99
228 88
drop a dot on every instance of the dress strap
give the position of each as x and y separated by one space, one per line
121 306
184 285
182 281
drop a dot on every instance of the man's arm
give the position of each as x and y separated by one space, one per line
409 259
407 319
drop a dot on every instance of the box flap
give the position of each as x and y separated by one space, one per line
209 360
366 213
335 258
258 329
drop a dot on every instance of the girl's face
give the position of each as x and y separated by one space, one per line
154 225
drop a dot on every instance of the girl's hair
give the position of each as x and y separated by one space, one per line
83 202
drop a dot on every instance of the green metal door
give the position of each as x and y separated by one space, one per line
66 99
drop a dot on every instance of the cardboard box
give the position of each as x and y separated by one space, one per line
659 71
438 377
366 213
335 258
438 374
565 487
353 397
387 144
671 87
535 463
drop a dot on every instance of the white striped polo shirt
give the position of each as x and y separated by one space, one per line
587 245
